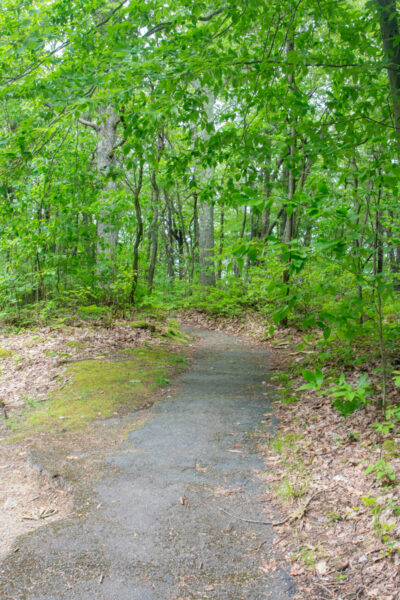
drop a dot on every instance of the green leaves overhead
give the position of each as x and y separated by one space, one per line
298 160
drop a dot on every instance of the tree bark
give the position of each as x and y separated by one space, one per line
221 239
153 233
206 242
107 232
206 213
139 235
390 37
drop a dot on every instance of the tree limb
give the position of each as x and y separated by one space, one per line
88 124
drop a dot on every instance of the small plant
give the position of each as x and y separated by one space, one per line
396 379
308 555
163 380
347 398
380 507
392 418
334 517
286 444
315 380
382 470
294 486
297 479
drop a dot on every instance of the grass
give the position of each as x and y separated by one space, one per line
4 353
295 483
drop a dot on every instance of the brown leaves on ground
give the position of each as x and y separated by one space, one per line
347 546
337 549
38 357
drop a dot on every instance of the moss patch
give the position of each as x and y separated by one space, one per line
173 333
4 353
143 325
93 389
168 330
76 344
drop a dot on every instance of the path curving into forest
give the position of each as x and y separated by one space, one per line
159 531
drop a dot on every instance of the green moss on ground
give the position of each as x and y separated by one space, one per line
4 353
143 325
92 389
76 344
168 330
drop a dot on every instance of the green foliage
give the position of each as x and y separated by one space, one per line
296 480
315 380
390 423
289 149
347 398
385 513
382 470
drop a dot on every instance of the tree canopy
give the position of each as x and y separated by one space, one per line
223 155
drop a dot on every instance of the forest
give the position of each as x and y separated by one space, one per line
150 151
235 162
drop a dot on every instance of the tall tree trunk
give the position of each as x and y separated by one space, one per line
378 242
153 233
391 46
358 242
221 240
206 243
139 235
206 212
196 232
396 270
181 237
195 236
169 236
244 221
288 230
107 231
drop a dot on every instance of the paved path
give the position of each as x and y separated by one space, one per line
143 543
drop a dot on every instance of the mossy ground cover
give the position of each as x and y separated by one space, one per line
91 389
4 353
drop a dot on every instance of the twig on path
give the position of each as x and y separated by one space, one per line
259 546
43 514
324 588
295 516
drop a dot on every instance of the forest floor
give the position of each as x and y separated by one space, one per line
165 516
338 529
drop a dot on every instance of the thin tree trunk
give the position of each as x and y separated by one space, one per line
221 239
181 237
153 233
396 282
206 241
169 237
244 221
139 235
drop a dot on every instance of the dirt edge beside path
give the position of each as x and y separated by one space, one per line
45 473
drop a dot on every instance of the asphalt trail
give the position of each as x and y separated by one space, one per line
160 533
